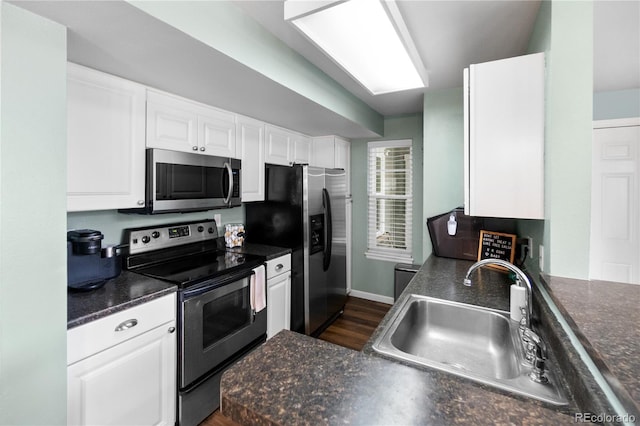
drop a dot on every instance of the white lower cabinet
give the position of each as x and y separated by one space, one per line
133 379
278 295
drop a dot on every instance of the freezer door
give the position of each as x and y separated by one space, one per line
326 278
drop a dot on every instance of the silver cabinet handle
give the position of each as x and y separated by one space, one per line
127 324
141 202
172 329
279 266
202 148
195 148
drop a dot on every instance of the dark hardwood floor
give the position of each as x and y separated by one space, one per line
352 329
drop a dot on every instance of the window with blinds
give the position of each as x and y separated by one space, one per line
390 200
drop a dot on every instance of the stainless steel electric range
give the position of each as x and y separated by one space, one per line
217 324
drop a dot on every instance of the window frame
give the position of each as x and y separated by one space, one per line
375 252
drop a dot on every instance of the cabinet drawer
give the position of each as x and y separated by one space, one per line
278 266
98 335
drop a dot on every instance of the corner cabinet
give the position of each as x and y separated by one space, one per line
179 124
250 142
105 141
278 295
504 138
122 368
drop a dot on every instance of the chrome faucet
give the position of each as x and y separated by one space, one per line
520 279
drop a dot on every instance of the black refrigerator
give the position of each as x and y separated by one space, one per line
305 210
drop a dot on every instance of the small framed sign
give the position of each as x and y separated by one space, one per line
497 245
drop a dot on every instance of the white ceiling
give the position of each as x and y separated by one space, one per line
118 38
449 35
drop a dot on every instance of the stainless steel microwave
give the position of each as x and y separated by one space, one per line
185 182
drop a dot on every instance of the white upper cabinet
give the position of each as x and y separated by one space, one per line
504 138
179 124
105 141
285 147
323 152
342 157
331 152
277 145
300 149
250 142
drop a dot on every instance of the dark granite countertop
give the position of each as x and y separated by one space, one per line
131 289
266 251
127 290
298 380
295 379
606 319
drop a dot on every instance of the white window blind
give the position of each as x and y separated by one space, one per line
390 195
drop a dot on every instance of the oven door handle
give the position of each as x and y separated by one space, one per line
216 283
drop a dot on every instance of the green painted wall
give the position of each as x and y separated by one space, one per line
373 276
443 176
568 140
225 27
616 104
111 223
564 30
33 284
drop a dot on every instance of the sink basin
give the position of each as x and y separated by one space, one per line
477 343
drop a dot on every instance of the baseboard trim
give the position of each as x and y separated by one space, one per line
371 296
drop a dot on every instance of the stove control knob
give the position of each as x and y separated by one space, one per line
155 234
210 229
200 228
146 239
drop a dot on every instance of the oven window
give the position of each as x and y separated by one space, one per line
225 315
183 182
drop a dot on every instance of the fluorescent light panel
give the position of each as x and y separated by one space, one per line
359 36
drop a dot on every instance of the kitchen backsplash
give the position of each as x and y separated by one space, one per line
111 223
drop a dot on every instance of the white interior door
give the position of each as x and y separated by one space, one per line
615 202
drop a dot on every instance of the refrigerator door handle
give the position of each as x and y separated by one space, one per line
328 232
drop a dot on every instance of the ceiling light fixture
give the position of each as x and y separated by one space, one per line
366 38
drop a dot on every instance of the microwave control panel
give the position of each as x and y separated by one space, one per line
160 237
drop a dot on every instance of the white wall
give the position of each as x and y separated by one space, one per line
33 290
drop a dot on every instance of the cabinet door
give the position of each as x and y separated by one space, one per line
342 154
506 138
105 141
278 304
323 152
301 150
131 383
250 141
217 133
171 123
277 146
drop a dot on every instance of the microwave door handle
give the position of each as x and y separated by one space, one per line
230 191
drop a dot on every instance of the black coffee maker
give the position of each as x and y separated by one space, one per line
89 266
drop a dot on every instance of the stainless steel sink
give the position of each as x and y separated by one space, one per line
478 343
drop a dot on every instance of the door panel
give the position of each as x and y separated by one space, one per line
615 210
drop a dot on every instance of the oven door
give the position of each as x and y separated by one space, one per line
181 181
217 322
